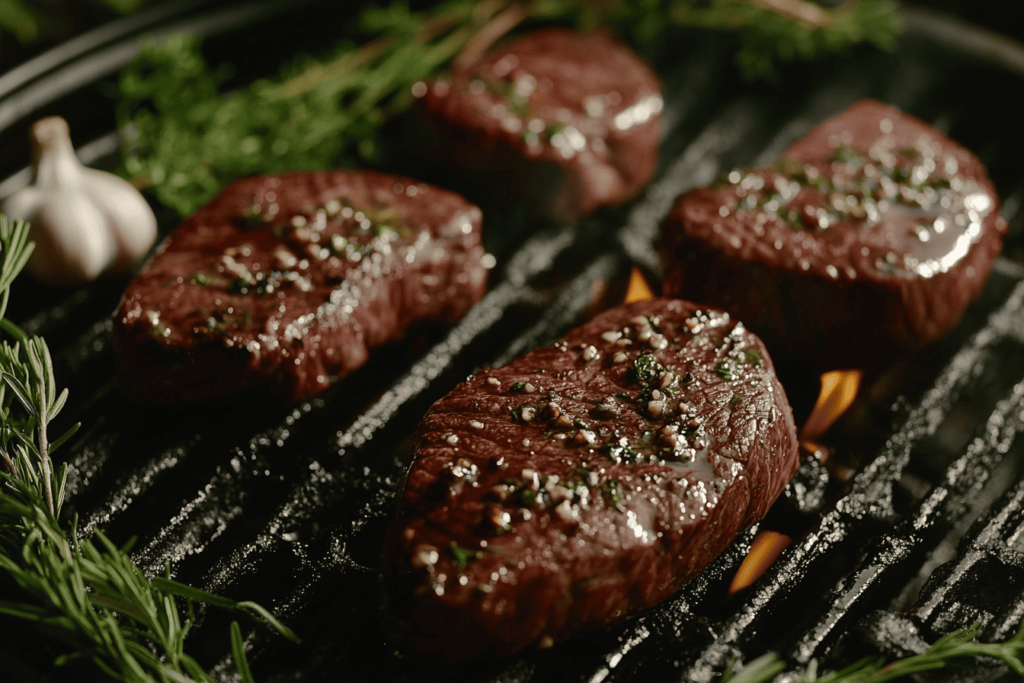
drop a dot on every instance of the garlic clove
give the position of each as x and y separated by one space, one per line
73 242
84 222
130 220
23 203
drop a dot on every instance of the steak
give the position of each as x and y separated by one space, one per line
585 481
556 122
867 239
284 283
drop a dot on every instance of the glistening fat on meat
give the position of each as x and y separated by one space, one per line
585 481
556 121
867 239
284 283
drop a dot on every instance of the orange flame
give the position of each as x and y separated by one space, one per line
838 389
765 548
638 289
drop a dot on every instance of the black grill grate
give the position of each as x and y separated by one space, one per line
288 507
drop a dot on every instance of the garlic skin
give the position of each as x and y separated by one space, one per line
84 222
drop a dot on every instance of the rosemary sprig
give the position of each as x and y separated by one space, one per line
186 139
85 594
946 652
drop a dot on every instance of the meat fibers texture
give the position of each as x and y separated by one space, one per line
284 283
585 481
867 239
555 122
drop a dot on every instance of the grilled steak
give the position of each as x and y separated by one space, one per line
285 283
869 237
564 121
585 481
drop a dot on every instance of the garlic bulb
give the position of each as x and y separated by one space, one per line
84 222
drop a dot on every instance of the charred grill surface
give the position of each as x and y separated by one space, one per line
917 533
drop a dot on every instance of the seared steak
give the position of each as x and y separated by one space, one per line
868 238
585 481
285 283
564 121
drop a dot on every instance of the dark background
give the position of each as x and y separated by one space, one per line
56 21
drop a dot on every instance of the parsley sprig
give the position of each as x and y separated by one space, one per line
84 594
184 138
947 651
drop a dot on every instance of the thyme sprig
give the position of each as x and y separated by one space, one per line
947 652
186 139
787 30
85 594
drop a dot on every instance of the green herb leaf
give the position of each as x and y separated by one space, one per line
59 441
238 652
725 371
845 154
752 357
463 556
21 391
764 668
612 495
946 652
646 367
263 613
171 587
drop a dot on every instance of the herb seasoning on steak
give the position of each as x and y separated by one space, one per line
564 121
585 481
284 283
868 238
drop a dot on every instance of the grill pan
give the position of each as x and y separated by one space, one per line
914 529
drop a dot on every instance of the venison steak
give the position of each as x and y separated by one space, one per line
284 283
867 239
556 122
585 481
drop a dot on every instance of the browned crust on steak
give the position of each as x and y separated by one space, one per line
633 515
563 121
878 280
284 283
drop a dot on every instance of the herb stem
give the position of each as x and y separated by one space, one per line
343 68
44 453
802 11
498 26
340 67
